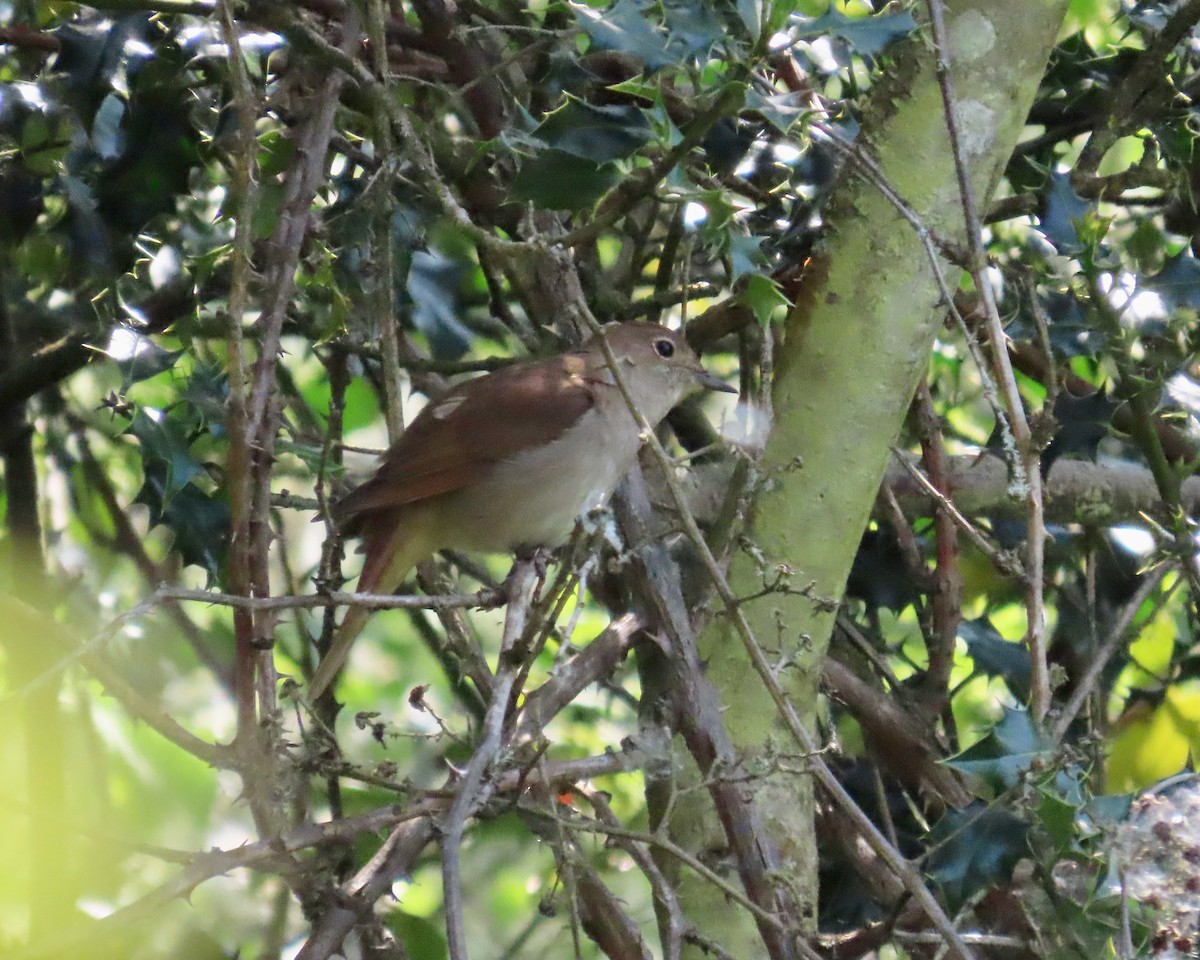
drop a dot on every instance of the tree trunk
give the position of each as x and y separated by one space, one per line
855 347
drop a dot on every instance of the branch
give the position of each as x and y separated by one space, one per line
1125 101
397 857
27 38
474 791
1105 493
54 362
594 662
1025 458
899 738
483 600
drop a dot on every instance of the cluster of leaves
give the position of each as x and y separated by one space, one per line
1099 293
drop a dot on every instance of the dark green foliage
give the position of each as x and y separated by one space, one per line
974 849
1082 423
867 36
996 657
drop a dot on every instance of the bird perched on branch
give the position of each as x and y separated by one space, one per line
510 460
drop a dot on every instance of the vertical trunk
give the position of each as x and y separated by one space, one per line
856 346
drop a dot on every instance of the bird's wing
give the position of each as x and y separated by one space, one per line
458 438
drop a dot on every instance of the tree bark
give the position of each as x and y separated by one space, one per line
854 349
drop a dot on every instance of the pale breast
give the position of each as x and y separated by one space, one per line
534 499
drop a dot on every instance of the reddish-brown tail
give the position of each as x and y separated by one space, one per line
393 548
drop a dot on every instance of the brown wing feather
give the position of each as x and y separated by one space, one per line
457 438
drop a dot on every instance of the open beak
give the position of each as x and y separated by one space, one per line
710 381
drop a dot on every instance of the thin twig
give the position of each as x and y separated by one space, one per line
1117 635
1026 455
1003 561
474 791
484 599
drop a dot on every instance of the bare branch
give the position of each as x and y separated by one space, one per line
474 791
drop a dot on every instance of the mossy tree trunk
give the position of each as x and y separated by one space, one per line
855 347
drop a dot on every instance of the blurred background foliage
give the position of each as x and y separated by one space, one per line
685 144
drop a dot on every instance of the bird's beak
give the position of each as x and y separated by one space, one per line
710 381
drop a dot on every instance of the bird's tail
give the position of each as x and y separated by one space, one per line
393 547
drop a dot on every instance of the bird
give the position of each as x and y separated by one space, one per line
509 461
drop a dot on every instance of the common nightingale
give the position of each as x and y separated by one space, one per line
510 460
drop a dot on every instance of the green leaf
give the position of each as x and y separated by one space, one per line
205 397
434 281
867 35
1083 423
763 295
974 849
555 180
745 253
624 27
694 25
1059 817
1009 749
1062 214
165 449
750 12
200 522
781 110
996 657
596 133
1178 283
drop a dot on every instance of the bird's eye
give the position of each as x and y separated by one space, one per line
664 348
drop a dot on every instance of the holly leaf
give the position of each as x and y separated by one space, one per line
1009 749
781 110
1062 213
1178 283
879 576
556 180
1071 333
624 27
763 295
974 849
745 253
434 281
165 451
867 35
693 26
1083 423
205 396
596 133
996 657
200 522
